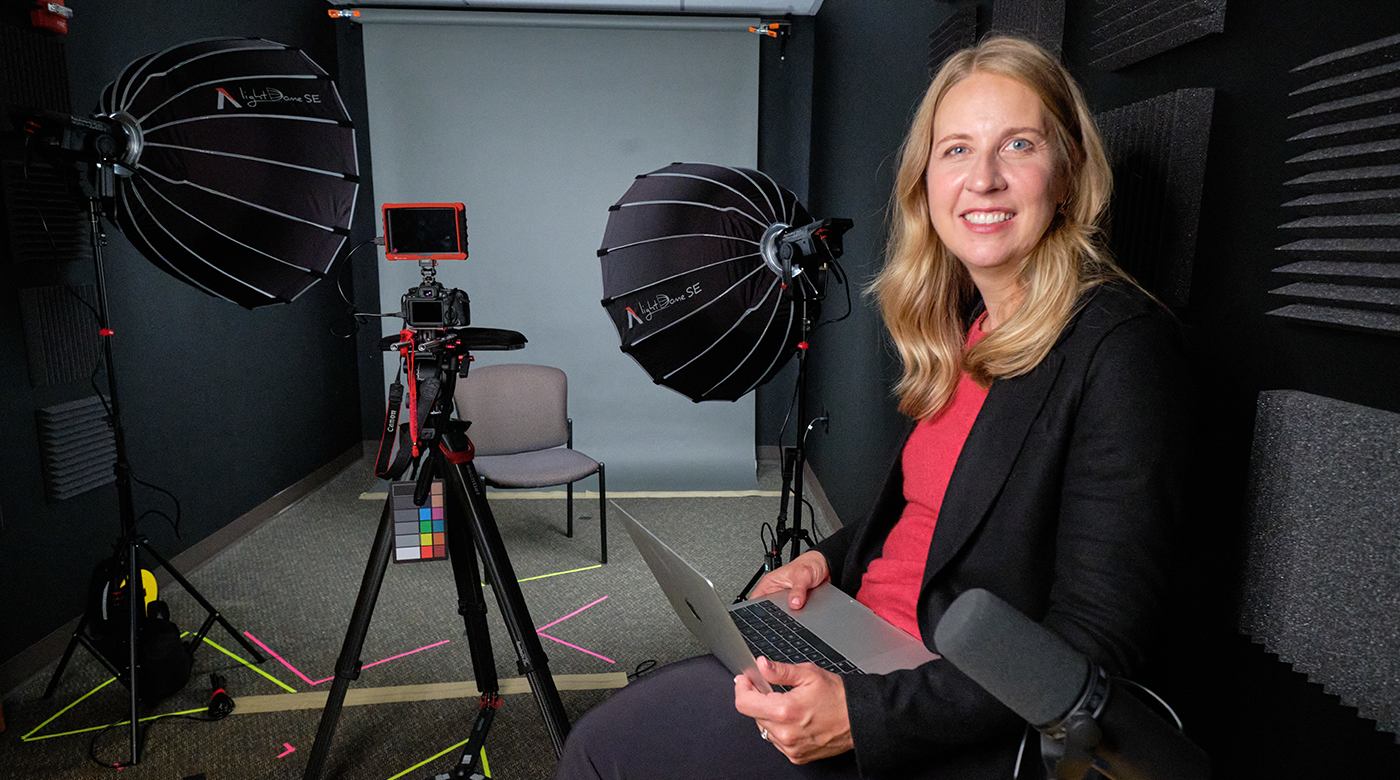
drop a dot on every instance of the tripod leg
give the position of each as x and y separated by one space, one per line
213 613
136 609
347 667
67 656
471 601
462 479
773 556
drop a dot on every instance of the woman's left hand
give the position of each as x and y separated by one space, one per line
806 723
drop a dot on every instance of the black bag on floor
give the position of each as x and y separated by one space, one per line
164 661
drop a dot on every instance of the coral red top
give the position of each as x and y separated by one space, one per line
891 583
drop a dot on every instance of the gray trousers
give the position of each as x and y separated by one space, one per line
680 723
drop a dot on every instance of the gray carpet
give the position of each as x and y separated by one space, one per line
292 585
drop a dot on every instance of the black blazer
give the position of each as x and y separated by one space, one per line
1063 502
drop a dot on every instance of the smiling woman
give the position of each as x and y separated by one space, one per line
994 182
1042 463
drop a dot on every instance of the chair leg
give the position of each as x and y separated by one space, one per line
569 528
603 512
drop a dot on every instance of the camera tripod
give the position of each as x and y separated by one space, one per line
446 452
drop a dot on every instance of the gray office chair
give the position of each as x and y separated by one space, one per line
523 435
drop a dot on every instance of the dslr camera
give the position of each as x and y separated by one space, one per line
431 305
429 232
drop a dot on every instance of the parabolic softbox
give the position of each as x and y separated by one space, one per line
244 174
694 299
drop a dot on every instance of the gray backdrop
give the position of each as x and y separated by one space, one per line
538 129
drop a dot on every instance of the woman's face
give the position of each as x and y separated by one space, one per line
993 181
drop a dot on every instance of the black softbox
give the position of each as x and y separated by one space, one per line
242 166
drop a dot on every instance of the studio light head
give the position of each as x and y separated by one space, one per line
229 163
713 276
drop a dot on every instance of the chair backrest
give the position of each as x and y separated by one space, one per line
514 407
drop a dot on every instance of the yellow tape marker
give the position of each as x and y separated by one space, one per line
109 725
26 738
250 665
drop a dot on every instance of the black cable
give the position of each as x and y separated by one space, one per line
812 513
358 318
642 668
792 404
220 706
345 263
173 524
840 274
176 522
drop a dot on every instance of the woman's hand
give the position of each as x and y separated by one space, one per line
806 723
806 571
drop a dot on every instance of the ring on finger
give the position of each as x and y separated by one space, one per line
764 734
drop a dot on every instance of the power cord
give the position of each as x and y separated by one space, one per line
220 707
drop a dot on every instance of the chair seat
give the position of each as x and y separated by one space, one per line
542 468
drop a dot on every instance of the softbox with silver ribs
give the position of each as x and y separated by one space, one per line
704 277
241 162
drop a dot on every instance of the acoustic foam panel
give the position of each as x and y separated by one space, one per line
1343 228
1042 21
1157 148
77 447
60 333
33 70
1321 581
958 31
1129 31
43 212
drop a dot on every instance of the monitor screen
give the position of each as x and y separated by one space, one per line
420 231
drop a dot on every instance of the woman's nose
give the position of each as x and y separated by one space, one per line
986 175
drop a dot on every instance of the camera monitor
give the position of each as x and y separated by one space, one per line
425 231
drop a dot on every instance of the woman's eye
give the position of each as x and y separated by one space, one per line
1019 145
952 150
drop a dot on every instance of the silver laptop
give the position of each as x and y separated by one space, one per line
862 641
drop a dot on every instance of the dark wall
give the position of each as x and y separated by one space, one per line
869 72
222 406
1256 716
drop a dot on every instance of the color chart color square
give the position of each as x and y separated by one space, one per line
419 532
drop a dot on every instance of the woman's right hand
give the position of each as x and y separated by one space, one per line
806 571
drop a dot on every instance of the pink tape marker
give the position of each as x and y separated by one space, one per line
540 631
289 749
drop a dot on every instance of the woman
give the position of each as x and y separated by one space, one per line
1042 464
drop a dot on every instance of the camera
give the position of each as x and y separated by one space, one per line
431 305
429 232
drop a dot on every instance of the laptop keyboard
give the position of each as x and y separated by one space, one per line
773 633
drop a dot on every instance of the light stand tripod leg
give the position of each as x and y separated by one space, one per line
347 667
210 610
462 479
135 600
794 462
68 656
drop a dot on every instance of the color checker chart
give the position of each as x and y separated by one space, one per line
418 530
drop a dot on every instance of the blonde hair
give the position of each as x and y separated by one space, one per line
924 291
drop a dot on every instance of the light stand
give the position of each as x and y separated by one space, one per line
102 180
783 248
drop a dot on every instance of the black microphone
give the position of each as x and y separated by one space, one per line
1087 722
